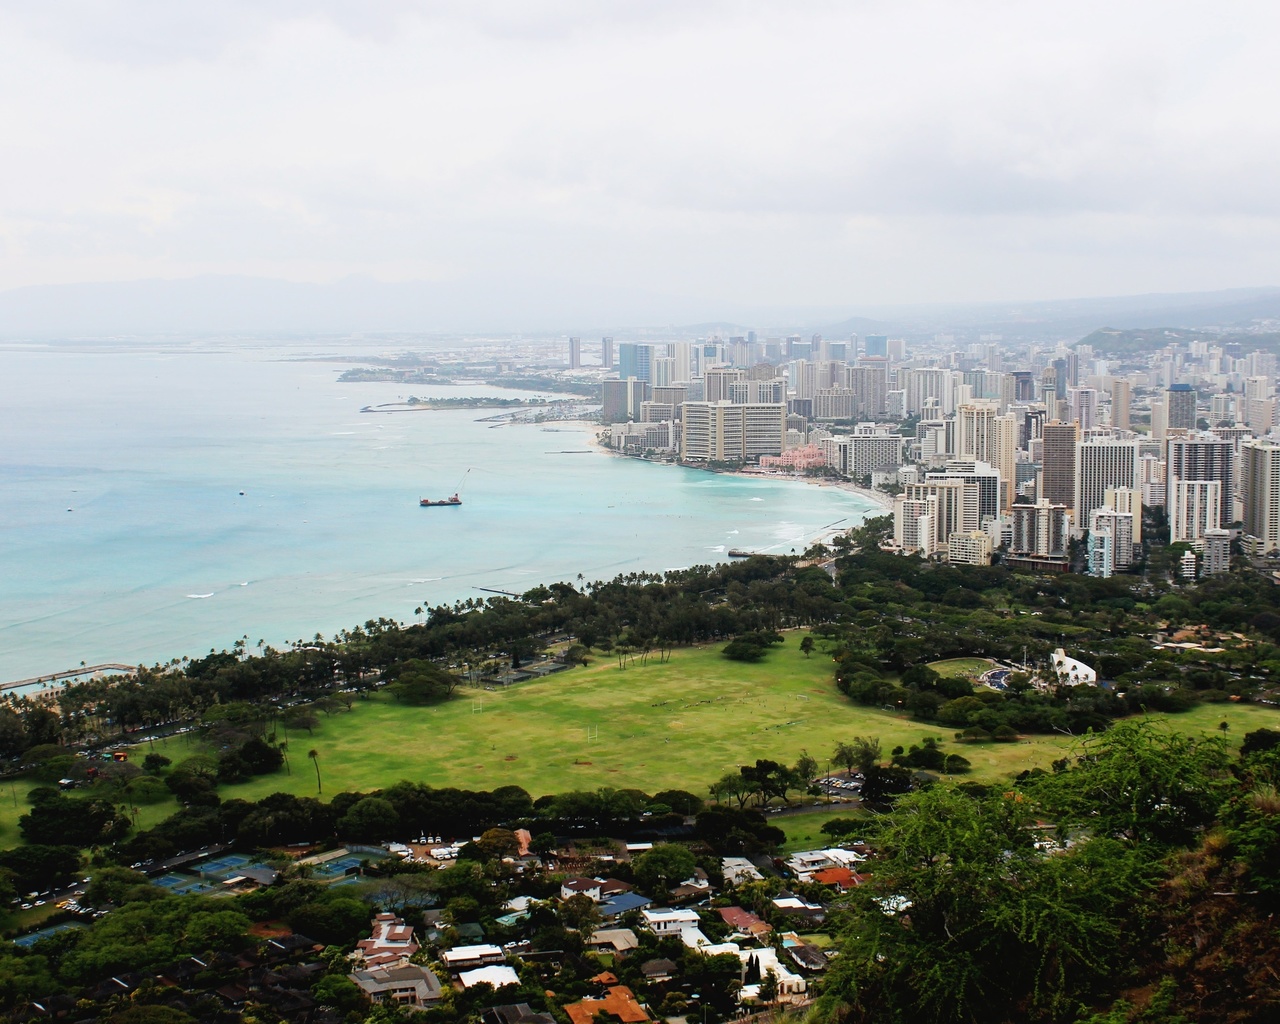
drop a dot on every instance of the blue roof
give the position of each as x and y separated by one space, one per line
1181 387
623 902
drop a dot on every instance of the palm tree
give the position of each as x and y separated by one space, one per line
315 759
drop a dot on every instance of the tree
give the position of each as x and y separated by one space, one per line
1139 783
154 763
997 931
340 992
769 987
315 760
663 866
498 842
806 768
580 913
806 646
370 820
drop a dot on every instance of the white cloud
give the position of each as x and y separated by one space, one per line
823 153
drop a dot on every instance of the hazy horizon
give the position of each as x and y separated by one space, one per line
643 163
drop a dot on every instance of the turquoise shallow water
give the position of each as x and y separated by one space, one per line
161 556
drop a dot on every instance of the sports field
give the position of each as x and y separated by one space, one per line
681 724
968 667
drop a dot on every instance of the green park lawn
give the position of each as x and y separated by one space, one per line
678 724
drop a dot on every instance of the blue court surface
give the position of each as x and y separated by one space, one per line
223 865
34 937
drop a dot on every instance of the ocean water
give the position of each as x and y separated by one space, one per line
124 536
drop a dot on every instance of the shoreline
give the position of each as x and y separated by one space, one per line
881 500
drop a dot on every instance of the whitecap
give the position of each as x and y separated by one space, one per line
757 499
200 597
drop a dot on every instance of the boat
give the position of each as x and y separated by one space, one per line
453 499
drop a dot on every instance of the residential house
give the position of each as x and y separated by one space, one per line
392 942
497 975
465 958
618 941
744 922
402 985
738 870
619 1002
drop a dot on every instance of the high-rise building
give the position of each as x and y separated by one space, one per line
982 497
1121 397
972 548
1203 457
575 353
870 382
857 455
635 360
1222 410
1058 474
983 434
1215 552
606 353
1110 542
724 432
1126 499
915 524
1042 530
876 345
717 380
1084 406
1193 506
1260 488
1102 464
928 382
1180 400
663 369
620 400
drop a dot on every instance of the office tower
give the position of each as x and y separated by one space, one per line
1193 507
620 400
636 361
1084 406
1126 499
1180 401
1102 464
1061 379
876 345
1042 530
1215 552
717 380
575 353
664 372
606 353
1058 476
724 432
1260 487
1110 542
1203 458
1121 397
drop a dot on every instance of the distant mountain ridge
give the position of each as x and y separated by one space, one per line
240 304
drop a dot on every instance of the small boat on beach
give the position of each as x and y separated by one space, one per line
453 499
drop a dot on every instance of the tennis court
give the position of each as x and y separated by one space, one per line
44 933
223 865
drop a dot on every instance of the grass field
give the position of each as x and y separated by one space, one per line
681 724
970 667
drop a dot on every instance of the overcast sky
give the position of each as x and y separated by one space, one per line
800 153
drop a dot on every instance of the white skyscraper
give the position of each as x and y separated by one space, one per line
1194 507
1260 487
